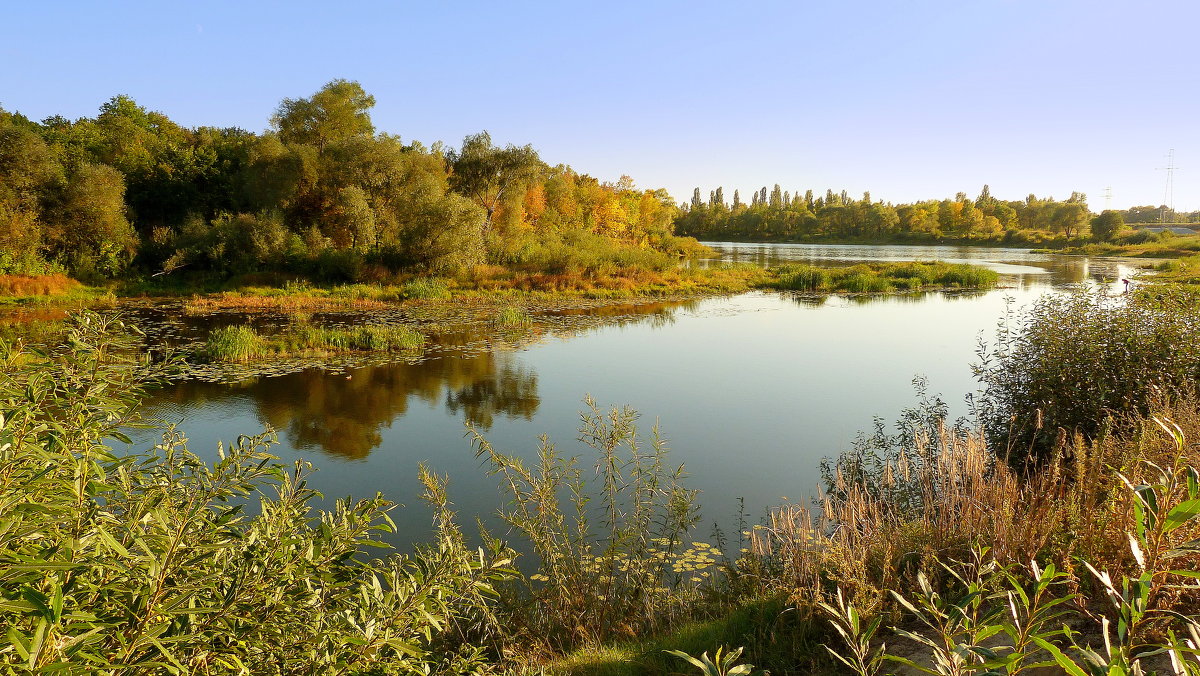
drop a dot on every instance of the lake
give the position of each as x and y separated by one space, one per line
750 391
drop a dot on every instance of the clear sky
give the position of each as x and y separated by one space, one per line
907 99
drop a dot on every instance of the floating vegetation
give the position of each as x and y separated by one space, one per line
243 343
882 277
510 316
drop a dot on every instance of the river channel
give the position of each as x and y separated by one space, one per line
750 391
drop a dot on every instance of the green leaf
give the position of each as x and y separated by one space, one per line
1181 514
910 663
19 642
1061 659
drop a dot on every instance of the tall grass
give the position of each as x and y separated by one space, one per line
426 288
36 285
511 316
920 524
612 553
234 343
243 343
881 277
372 337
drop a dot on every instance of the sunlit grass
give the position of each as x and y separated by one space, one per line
233 343
882 277
243 343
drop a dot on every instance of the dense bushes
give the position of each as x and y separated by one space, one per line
1071 361
140 563
322 195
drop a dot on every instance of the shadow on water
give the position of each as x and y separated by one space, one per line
343 415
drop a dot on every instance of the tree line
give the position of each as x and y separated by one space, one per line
321 192
784 215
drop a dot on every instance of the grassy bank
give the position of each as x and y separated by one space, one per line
50 290
1137 244
512 287
960 548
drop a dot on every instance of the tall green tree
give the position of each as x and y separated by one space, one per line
1107 225
487 174
88 227
28 170
338 112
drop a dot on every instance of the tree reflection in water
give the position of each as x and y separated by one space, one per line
468 372
343 416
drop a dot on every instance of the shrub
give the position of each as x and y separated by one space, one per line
1139 237
125 563
611 557
1072 360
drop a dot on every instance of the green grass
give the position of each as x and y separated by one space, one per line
233 343
774 636
243 343
1141 244
881 277
426 288
512 316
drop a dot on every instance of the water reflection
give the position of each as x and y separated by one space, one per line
751 390
1019 268
343 414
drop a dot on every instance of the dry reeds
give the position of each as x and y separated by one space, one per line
36 285
952 496
931 505
277 303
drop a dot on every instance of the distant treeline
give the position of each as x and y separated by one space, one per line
1147 215
781 215
322 192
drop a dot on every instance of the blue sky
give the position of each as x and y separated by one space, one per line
907 99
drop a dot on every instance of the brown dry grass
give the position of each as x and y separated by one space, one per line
953 495
277 303
36 285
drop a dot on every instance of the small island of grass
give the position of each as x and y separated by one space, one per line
881 277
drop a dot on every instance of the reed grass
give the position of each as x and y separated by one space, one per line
512 316
234 343
243 343
37 285
881 277
951 495
426 288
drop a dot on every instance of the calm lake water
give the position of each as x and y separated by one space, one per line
750 391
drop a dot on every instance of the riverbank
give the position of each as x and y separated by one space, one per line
487 299
937 515
1139 244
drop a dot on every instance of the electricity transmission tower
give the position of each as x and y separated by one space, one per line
1169 192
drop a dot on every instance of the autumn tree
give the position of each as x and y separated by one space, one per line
487 174
27 170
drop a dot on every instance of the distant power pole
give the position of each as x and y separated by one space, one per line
1108 198
1169 192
